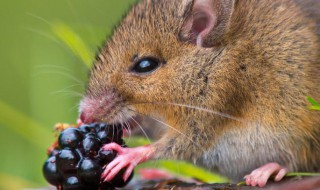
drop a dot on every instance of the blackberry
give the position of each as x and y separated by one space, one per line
121 143
70 138
102 126
73 183
115 132
91 145
118 181
103 136
54 152
67 160
106 156
78 160
106 186
87 128
90 134
50 171
90 171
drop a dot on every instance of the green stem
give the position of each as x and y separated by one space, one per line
306 174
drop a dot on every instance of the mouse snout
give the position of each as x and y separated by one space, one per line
100 108
89 110
87 118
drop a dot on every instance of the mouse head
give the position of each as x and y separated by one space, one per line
161 53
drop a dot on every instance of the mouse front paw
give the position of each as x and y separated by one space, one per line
127 158
260 176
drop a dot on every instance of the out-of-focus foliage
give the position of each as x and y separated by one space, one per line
74 42
314 104
42 77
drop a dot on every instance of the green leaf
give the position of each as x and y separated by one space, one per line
74 42
313 101
314 108
300 174
24 126
185 169
136 141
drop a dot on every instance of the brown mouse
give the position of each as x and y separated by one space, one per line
229 77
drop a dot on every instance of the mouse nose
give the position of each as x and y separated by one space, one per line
100 107
86 118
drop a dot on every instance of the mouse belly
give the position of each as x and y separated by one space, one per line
236 155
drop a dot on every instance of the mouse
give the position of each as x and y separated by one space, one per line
228 78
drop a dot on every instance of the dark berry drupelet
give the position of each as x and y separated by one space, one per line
50 171
67 161
106 156
70 138
73 183
118 181
90 171
91 145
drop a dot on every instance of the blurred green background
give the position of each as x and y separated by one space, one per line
45 49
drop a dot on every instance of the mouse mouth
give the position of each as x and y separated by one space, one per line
110 108
129 126
120 117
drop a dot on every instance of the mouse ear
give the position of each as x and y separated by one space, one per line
206 21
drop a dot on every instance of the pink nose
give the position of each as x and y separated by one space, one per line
86 118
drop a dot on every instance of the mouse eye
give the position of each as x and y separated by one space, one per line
145 66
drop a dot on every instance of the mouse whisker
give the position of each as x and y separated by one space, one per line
75 107
69 87
69 93
174 129
128 128
141 128
228 116
47 36
65 74
124 124
113 127
39 18
47 67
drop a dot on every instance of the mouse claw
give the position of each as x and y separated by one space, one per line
127 158
114 167
259 177
114 146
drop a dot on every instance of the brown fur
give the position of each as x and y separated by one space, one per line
261 67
